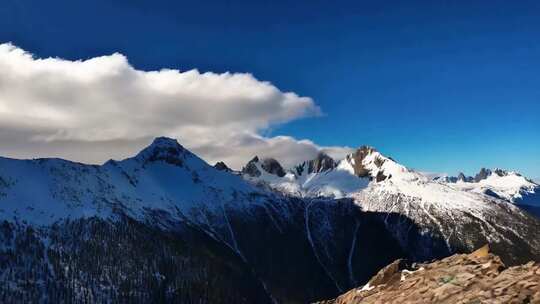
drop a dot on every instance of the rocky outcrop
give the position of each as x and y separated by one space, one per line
163 149
321 163
463 178
479 277
269 165
272 166
356 159
250 168
483 174
221 166
501 172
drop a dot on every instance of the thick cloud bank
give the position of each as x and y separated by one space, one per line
103 108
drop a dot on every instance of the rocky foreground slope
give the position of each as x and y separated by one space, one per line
479 277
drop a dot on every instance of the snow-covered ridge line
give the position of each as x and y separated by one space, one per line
325 177
163 176
498 183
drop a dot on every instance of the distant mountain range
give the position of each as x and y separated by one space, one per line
164 226
326 177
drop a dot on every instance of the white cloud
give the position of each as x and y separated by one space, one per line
103 108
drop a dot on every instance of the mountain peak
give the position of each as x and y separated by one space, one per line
267 164
483 174
165 142
357 160
163 149
221 166
322 162
272 166
366 149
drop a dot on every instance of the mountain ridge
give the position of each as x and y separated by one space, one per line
367 162
218 220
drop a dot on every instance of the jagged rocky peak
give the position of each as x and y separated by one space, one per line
463 178
502 172
272 166
269 165
221 166
358 157
164 149
321 163
250 169
483 174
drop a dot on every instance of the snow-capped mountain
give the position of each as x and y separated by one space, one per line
62 189
325 177
320 177
454 215
353 174
164 226
507 185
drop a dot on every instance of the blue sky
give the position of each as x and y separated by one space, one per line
440 86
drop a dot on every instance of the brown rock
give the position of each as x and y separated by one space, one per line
479 277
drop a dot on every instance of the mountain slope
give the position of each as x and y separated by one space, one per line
457 220
165 226
479 277
199 220
507 185
93 260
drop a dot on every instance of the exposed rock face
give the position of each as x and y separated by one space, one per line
461 177
479 277
221 166
500 172
269 165
163 149
483 174
250 168
272 166
321 163
357 158
380 176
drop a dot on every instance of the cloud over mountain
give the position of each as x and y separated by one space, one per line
83 109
